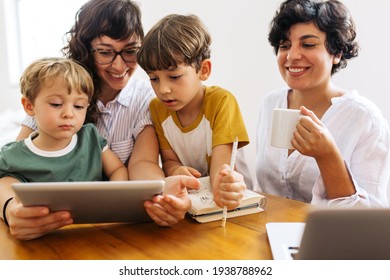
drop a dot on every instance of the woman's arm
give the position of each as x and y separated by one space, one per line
169 208
313 139
143 163
113 167
24 132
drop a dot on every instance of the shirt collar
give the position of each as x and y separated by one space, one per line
122 98
30 145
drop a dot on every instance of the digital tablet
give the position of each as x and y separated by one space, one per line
93 202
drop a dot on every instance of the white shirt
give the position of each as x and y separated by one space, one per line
362 136
123 118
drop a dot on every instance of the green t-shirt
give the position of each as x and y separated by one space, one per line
81 160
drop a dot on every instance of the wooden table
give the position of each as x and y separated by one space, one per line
243 238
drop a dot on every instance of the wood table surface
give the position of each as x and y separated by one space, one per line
243 238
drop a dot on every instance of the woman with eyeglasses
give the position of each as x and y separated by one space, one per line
105 39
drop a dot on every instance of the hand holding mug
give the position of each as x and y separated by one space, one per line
284 122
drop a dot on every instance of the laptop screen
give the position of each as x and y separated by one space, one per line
334 234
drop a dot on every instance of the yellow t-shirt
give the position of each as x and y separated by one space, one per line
219 122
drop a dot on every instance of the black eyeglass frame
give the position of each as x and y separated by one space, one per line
136 49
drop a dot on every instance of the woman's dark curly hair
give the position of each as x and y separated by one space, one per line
117 19
331 17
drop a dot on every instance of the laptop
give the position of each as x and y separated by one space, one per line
333 234
93 202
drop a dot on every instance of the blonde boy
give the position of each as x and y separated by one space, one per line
56 92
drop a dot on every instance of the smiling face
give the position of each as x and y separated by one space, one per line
59 114
303 59
114 76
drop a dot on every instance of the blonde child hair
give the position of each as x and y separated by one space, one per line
44 71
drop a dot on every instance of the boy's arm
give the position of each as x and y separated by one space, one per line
113 167
228 185
173 166
221 155
6 191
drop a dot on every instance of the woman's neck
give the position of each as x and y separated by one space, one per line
317 100
107 94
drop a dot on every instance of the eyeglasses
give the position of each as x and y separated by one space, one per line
103 56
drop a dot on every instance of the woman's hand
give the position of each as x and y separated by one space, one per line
312 138
170 207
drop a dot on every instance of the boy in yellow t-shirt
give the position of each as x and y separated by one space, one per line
196 125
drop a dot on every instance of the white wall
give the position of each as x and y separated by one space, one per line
3 56
8 94
243 61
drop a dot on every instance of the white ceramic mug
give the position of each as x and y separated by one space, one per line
284 122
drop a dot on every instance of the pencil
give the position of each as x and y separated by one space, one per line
232 163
